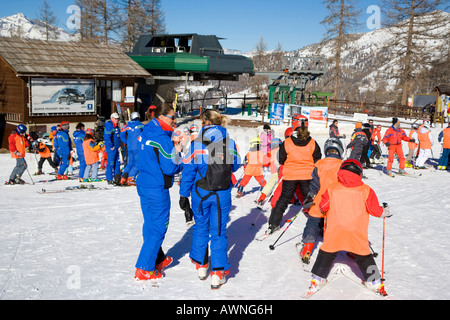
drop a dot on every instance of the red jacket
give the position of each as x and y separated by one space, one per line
394 136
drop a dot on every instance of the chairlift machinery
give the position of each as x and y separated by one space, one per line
174 58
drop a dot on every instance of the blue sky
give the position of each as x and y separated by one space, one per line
292 23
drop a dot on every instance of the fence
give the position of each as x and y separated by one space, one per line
382 110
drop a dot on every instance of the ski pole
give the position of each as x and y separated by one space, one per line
382 253
26 167
272 246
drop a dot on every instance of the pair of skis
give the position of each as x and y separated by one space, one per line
74 188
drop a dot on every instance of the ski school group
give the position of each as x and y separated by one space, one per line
325 181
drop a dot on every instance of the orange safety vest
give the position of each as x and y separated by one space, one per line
412 145
300 162
90 154
446 138
424 138
46 153
327 170
347 220
255 160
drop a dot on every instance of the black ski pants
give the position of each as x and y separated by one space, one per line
51 163
287 193
366 264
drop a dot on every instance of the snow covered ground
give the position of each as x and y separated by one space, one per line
84 244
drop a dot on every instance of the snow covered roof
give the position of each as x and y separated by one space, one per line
39 57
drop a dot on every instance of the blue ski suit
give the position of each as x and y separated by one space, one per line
78 139
158 163
64 145
211 214
112 145
129 135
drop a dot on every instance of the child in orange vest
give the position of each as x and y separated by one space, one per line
255 160
425 145
323 176
297 154
91 150
348 203
45 154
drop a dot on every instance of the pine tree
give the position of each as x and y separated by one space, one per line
342 19
47 17
413 24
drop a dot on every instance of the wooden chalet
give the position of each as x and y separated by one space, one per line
43 83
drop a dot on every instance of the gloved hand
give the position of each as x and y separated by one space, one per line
412 140
387 144
386 213
308 203
184 203
262 198
17 153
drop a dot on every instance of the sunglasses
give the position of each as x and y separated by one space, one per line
170 117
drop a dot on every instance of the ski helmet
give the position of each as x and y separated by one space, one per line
352 165
415 126
336 144
135 116
255 142
21 128
275 143
288 132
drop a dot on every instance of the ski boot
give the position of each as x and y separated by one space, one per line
62 177
376 286
202 270
316 283
131 181
306 251
18 180
164 264
218 278
402 172
141 275
38 173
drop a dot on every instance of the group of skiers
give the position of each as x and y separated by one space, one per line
206 158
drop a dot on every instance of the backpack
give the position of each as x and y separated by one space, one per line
220 165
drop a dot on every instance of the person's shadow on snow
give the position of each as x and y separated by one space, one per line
241 233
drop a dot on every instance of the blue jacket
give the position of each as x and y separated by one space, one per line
78 138
64 143
156 169
195 163
111 136
130 134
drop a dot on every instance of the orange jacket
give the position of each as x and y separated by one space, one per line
299 163
44 151
327 170
17 143
348 204
91 151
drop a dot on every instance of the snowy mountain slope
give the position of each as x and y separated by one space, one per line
24 27
366 57
83 245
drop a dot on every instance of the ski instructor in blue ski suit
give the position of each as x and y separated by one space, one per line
207 179
158 163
